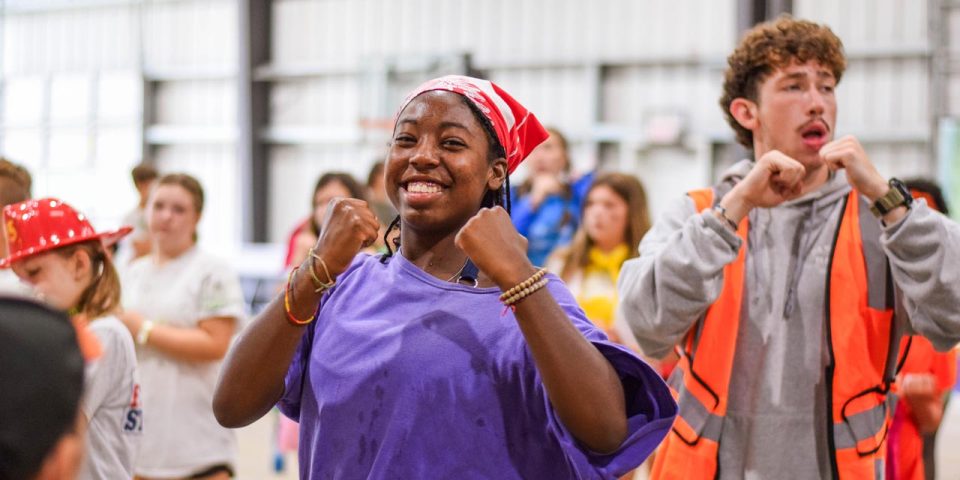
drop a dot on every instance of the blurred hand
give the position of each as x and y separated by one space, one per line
918 386
492 242
349 226
848 154
544 185
775 179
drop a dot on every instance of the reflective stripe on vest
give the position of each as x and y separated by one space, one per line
859 314
857 428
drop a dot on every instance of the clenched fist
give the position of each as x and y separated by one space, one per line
492 242
348 227
775 179
848 154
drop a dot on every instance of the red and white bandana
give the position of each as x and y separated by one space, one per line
518 129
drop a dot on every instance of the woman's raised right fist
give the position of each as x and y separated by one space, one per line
349 226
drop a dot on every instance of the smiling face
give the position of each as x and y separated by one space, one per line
437 170
795 113
59 280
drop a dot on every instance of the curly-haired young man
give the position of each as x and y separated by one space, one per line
787 287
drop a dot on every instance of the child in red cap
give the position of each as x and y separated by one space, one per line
54 248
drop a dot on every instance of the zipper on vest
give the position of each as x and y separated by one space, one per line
831 361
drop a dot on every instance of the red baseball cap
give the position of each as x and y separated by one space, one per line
37 225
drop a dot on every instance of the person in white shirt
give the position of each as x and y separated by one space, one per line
54 249
182 307
138 243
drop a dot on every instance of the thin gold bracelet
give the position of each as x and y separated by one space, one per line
319 286
330 279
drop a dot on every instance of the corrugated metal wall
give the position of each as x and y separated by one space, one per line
952 37
945 95
883 98
189 65
89 89
603 72
71 102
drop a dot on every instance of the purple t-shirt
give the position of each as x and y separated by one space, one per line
404 375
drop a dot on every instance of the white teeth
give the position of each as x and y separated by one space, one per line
423 187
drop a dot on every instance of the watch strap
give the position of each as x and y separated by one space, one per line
897 196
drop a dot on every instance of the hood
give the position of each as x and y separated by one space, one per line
812 210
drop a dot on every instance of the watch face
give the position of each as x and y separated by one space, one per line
896 184
898 195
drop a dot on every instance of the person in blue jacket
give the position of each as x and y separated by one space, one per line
546 207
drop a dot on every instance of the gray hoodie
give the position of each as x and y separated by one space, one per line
775 420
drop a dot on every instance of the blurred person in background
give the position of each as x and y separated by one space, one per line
329 186
377 195
615 218
41 383
545 208
138 243
778 284
380 204
15 183
454 356
55 249
925 381
182 306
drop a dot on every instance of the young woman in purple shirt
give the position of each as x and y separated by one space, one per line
453 357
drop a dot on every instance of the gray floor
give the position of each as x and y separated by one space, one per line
256 452
256 449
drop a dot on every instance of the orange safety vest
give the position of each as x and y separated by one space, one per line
863 344
907 449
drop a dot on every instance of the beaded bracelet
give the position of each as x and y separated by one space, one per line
524 284
526 292
286 303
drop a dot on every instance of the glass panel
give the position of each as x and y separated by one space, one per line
118 148
119 97
23 101
24 146
69 149
70 98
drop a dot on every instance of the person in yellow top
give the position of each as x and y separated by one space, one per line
615 218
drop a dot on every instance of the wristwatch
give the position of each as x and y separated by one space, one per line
898 195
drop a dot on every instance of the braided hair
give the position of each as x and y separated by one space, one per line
499 197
